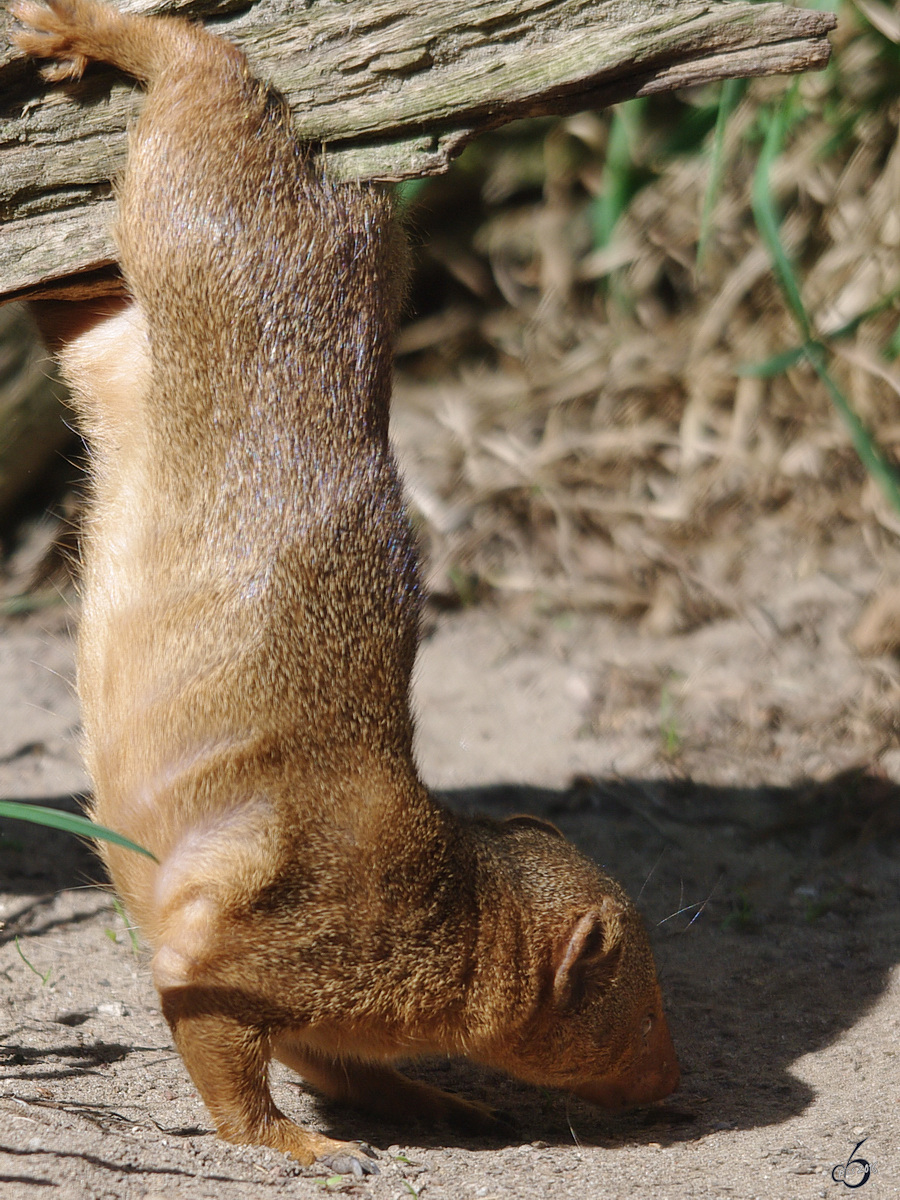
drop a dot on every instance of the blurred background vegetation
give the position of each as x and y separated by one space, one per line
603 387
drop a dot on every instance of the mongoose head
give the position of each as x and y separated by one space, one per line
596 1025
608 1028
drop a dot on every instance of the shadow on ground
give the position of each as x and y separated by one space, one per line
773 917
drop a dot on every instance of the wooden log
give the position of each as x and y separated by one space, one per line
389 89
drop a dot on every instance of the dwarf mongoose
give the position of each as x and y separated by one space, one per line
249 623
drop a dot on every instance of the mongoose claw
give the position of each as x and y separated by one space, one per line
474 1118
505 1124
352 1159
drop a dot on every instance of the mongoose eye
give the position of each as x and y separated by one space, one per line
647 1025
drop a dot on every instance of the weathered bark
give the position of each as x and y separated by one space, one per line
390 89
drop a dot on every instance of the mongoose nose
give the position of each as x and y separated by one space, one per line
630 1091
652 1076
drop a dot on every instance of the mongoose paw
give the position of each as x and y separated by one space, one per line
50 31
354 1158
310 1149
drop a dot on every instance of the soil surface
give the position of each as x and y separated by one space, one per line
740 779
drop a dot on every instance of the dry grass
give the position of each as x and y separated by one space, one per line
574 411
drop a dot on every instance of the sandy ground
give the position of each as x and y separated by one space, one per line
741 780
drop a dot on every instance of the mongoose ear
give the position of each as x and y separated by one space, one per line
530 822
589 958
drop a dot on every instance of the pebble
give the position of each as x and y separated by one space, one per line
114 1009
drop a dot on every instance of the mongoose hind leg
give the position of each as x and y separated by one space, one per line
381 1090
228 1061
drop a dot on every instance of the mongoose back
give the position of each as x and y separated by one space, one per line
249 624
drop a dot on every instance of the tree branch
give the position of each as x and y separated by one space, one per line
391 90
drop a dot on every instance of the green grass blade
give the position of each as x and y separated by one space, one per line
620 173
730 95
768 223
69 823
31 967
766 214
864 444
851 326
787 358
774 365
129 928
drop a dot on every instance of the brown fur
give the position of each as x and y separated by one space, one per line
248 632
